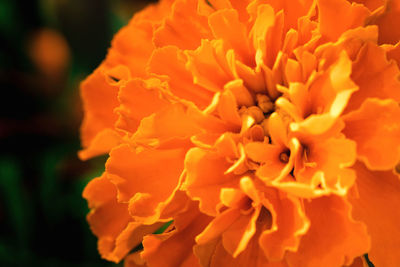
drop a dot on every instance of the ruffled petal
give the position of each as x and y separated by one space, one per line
225 25
99 95
291 224
175 248
375 127
205 178
146 179
378 207
210 65
104 141
334 238
351 16
166 125
170 61
183 19
139 98
379 79
389 24
111 222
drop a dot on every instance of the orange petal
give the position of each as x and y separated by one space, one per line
333 236
393 52
110 221
184 19
99 96
217 226
375 127
176 247
209 65
205 178
378 206
237 237
225 25
291 224
352 16
139 98
169 123
132 47
379 79
171 61
330 157
147 179
268 155
389 24
228 109
359 262
134 260
252 256
104 141
292 10
328 96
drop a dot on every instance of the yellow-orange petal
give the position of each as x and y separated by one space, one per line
205 177
139 98
170 61
333 236
352 16
379 79
145 178
378 207
375 127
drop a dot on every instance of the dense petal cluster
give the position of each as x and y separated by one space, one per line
248 133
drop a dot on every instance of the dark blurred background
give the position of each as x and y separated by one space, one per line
47 47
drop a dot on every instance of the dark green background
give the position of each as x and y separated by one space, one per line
42 213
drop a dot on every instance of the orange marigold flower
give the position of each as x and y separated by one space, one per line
258 132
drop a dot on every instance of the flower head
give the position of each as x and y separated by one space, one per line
267 131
